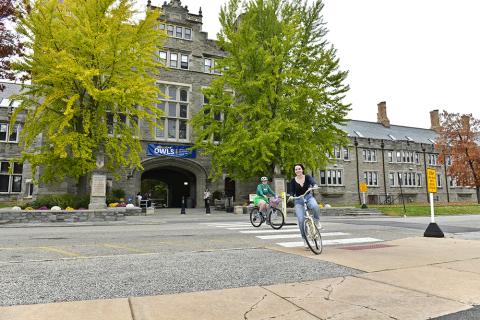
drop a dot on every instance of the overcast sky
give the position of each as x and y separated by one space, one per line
417 55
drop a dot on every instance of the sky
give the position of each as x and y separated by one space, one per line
417 55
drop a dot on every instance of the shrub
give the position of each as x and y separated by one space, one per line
61 200
118 193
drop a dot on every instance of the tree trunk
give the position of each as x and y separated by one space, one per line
478 194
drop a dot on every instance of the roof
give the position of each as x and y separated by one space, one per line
10 89
375 130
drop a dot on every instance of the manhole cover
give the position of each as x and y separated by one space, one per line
368 246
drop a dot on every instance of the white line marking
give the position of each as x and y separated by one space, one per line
284 229
331 242
297 235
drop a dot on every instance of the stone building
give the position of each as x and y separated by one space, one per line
391 159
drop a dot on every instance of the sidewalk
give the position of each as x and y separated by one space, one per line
412 278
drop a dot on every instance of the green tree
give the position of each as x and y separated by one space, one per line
279 100
93 79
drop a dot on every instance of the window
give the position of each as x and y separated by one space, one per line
399 156
176 105
391 179
406 179
119 122
439 180
452 182
179 32
390 156
371 178
184 61
162 57
4 128
448 161
433 159
188 33
173 60
340 153
170 30
11 180
331 177
369 155
161 26
29 187
208 65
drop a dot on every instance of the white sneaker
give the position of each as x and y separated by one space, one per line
318 225
305 245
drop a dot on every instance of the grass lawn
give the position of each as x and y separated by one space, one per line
415 209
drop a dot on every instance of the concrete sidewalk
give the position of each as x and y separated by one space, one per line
413 278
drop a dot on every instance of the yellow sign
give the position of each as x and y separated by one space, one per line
363 187
431 180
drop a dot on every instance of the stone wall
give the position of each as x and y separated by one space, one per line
111 214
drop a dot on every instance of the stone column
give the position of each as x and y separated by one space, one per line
98 199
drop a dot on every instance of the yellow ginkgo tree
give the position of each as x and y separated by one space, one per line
93 69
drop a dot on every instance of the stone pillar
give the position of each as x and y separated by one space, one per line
98 190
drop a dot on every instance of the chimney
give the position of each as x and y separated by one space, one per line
435 121
466 122
382 114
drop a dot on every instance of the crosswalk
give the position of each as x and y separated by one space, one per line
289 236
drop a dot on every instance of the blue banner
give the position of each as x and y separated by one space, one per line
158 150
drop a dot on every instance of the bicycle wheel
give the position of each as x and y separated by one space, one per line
313 236
256 218
276 218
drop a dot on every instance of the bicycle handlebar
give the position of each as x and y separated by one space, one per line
303 195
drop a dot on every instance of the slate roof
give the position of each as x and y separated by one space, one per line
374 130
10 89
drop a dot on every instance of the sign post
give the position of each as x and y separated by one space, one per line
279 187
433 230
363 190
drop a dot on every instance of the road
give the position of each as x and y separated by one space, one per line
172 253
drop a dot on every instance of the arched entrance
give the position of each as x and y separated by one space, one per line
168 180
170 184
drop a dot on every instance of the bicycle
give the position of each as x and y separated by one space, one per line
313 236
274 216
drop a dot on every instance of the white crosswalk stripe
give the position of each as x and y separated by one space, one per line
289 232
331 242
297 235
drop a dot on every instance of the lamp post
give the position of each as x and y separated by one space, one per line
185 186
401 191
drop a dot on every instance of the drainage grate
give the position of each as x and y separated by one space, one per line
368 246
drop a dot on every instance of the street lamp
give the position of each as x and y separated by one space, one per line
185 186
401 191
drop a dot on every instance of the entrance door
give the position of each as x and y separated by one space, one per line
168 185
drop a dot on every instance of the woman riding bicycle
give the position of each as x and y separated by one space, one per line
263 190
298 186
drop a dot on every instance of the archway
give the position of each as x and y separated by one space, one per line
169 184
